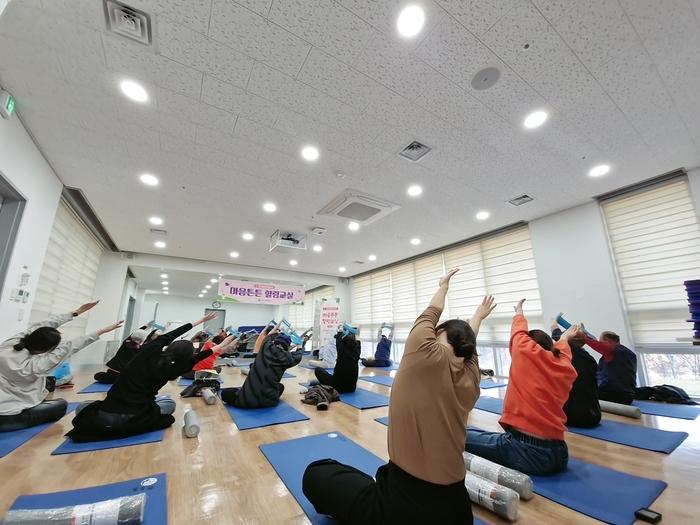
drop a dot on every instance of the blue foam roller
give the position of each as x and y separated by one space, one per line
9 441
155 510
95 388
566 325
71 447
247 418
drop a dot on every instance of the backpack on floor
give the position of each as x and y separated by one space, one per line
664 393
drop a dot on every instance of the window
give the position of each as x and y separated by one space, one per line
69 272
502 265
301 316
655 240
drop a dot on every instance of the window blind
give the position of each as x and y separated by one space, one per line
68 275
301 316
655 240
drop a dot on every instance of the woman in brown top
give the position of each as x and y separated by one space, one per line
435 389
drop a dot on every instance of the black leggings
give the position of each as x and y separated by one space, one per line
396 497
616 396
107 378
45 412
343 387
376 362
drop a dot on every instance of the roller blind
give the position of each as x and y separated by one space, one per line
68 275
502 265
655 241
301 316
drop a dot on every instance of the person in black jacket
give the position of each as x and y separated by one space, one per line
262 387
131 406
344 377
127 351
582 409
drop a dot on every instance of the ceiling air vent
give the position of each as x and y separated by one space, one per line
358 206
520 200
127 21
414 151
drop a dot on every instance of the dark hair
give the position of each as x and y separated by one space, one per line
177 358
217 339
542 338
40 341
461 336
612 336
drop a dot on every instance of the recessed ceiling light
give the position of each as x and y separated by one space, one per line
166 292
293 262
163 275
415 241
599 170
200 295
248 236
535 119
342 269
208 287
159 244
482 215
410 21
317 248
234 255
212 281
372 258
270 207
353 226
203 291
149 180
166 288
134 90
156 221
414 191
164 283
310 153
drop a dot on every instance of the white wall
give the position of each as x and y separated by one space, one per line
694 183
575 269
25 168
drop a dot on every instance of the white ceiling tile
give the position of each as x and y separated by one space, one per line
262 7
84 12
234 145
476 15
325 24
257 37
195 111
236 100
204 54
191 13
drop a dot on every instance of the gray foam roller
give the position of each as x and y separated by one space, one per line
208 396
191 424
620 409
508 477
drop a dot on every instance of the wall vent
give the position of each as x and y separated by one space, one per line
128 22
414 151
520 200
359 207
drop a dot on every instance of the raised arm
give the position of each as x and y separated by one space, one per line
482 312
54 321
423 336
605 348
165 339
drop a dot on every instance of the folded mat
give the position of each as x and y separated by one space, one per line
599 492
634 436
71 447
95 388
668 409
155 510
247 418
9 441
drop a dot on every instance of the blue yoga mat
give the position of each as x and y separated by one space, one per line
71 447
383 420
667 409
95 388
393 366
601 493
310 367
155 511
363 399
490 383
380 380
247 418
9 441
490 404
634 436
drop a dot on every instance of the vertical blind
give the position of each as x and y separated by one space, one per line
69 272
502 265
655 241
301 316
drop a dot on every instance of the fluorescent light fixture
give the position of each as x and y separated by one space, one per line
149 180
270 207
415 241
599 170
159 244
310 153
156 221
482 215
134 91
414 191
535 119
317 248
372 257
293 262
234 255
248 236
410 21
353 226
342 269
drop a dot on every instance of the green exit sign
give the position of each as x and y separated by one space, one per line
10 105
7 104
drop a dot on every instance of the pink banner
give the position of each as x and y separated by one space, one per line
259 293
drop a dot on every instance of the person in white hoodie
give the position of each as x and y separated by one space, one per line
26 359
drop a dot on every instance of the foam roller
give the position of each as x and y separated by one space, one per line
497 498
208 396
191 424
245 371
508 477
119 511
620 409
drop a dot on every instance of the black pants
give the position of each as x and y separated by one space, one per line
376 362
616 396
343 387
107 378
396 497
45 412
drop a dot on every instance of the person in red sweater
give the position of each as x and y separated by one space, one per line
541 376
209 362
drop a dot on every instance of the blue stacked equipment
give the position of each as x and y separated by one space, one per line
692 288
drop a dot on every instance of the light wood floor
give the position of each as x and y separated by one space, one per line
223 478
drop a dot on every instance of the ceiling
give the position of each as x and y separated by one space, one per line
237 88
190 284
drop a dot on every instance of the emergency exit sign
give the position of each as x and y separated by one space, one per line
7 104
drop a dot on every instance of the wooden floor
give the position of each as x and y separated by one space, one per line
223 478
